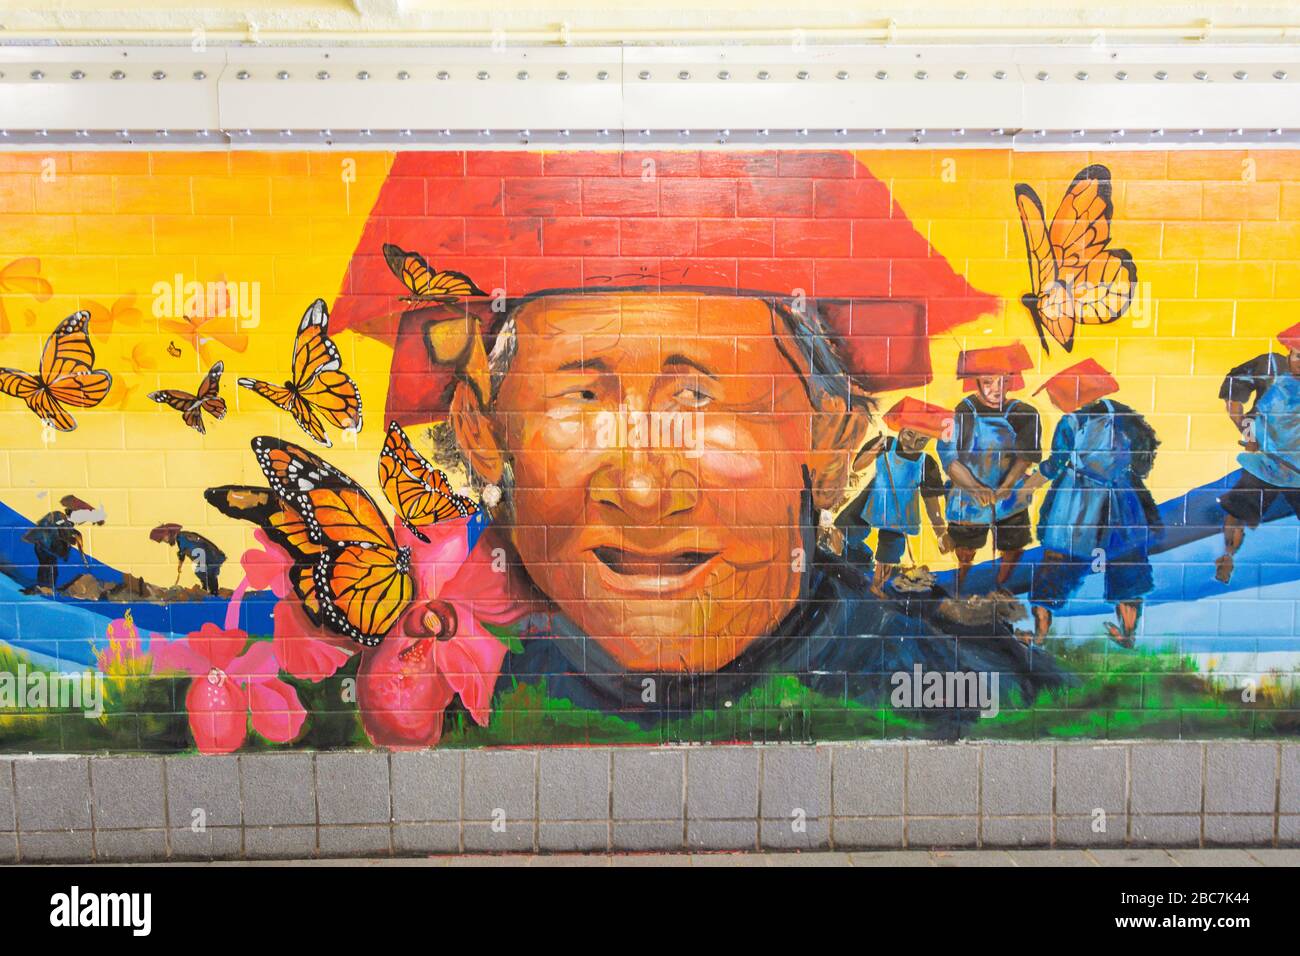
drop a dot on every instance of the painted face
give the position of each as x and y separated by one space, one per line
1293 361
991 389
912 441
659 446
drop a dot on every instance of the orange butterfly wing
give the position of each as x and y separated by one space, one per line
362 578
65 378
419 492
283 525
421 280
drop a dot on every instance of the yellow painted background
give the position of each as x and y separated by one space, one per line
1215 234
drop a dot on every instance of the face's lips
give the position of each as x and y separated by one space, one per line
663 573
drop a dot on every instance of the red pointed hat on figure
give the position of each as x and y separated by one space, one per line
1080 384
1005 360
919 416
812 227
1290 337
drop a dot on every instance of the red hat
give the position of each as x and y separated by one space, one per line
1079 384
919 416
1007 360
1290 337
164 532
778 224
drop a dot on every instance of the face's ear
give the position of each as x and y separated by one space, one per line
475 434
838 431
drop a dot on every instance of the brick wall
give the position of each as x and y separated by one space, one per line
661 384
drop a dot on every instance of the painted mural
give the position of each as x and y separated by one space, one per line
459 449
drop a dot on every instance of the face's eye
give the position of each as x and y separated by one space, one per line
692 397
579 395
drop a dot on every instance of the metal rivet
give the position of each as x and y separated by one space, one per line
960 75
443 75
603 75
1042 75
119 75
282 75
1240 75
882 75
644 75
483 75
199 75
1121 75
37 75
1081 75
724 75
521 75
322 75
1279 74
763 74
1201 75
363 75
999 74
921 74
801 75
403 75
159 75
562 75
78 74
1161 75
684 75
842 75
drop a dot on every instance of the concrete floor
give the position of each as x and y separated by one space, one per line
886 858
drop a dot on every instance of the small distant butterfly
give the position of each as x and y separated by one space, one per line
1076 278
423 282
65 377
319 387
418 491
348 570
192 407
173 350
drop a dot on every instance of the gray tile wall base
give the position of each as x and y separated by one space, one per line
864 795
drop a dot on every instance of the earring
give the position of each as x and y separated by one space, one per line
826 519
491 495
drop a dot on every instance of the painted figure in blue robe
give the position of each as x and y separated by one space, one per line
995 439
1098 515
1270 432
906 477
206 557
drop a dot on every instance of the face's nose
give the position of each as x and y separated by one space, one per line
646 486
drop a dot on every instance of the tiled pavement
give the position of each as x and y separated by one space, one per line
845 797
886 858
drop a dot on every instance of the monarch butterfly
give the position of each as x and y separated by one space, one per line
1076 278
348 570
422 282
319 384
192 407
418 491
65 377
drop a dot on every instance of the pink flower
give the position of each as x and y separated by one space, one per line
228 685
305 650
441 646
267 567
125 653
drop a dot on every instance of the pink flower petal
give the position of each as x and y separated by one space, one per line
218 711
305 650
257 664
267 568
437 561
278 715
471 664
218 646
171 657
